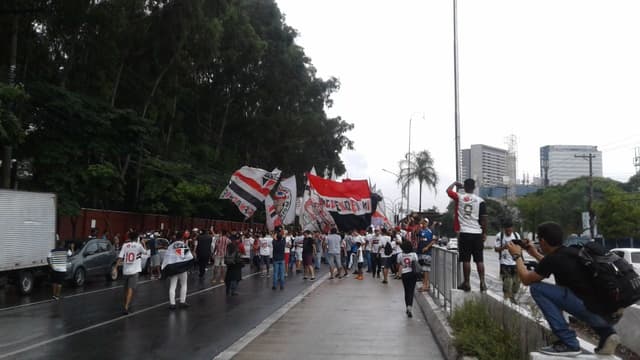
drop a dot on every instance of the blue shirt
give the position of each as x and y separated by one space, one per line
426 237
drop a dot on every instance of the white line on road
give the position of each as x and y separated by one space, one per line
241 343
79 331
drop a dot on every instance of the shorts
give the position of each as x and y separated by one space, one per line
307 260
344 260
334 260
265 259
130 281
470 245
298 254
155 260
425 263
386 262
219 261
57 277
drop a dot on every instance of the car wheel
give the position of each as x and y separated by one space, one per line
25 282
79 277
113 274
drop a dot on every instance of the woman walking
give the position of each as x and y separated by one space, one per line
407 261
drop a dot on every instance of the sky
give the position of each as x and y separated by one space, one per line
550 72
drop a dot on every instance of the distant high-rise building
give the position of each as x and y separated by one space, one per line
487 165
561 163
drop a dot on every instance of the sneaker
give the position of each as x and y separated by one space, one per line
312 279
607 346
305 278
560 349
273 288
465 287
55 297
331 278
409 314
281 287
384 281
172 307
483 287
184 305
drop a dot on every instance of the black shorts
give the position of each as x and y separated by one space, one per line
470 244
57 277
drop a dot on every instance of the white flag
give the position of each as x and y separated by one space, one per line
284 200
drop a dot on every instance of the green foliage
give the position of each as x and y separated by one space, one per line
151 105
478 334
616 209
418 167
11 100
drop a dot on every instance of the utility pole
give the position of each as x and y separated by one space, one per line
455 87
590 157
409 166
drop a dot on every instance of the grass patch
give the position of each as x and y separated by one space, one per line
477 334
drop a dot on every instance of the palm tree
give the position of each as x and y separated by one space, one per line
418 166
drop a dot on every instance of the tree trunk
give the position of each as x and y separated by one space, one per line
116 84
420 199
222 127
8 149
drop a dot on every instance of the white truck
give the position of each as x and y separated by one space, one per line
27 234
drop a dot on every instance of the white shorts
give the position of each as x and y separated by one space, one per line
218 261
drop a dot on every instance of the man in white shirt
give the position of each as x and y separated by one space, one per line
266 246
470 221
385 256
508 274
131 260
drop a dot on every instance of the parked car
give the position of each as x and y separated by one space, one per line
97 257
452 244
575 240
631 255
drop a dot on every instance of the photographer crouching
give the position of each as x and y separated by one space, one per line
572 292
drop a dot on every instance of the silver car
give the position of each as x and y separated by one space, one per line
97 257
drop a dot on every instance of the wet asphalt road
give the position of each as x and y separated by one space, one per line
89 324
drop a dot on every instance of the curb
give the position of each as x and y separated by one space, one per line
241 343
437 321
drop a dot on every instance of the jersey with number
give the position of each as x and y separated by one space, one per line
131 255
266 243
469 209
406 261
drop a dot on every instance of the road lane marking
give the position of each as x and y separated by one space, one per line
241 343
107 322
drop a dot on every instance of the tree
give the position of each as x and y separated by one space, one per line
418 167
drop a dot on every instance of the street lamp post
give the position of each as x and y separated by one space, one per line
403 190
455 87
409 158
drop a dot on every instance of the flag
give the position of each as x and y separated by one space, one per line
284 200
177 259
273 217
249 187
313 217
349 203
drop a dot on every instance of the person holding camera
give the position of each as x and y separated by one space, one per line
573 291
510 279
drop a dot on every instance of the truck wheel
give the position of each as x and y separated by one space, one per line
25 282
113 274
79 276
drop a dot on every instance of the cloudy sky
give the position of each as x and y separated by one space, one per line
547 71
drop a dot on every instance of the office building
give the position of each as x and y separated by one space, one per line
561 163
487 165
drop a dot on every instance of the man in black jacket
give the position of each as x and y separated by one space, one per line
203 251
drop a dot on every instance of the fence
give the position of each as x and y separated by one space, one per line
446 273
118 222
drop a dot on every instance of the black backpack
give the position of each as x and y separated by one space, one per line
615 282
233 255
387 248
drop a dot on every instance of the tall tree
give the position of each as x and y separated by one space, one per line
418 167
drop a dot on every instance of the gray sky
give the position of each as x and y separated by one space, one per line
548 71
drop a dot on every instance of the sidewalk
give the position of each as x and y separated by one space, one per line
347 319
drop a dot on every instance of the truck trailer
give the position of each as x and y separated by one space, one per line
27 234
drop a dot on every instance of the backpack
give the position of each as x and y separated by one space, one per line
615 282
233 255
387 248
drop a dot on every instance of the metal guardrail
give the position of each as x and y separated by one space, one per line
446 274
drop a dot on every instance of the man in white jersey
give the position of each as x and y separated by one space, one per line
470 221
508 273
131 260
385 257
